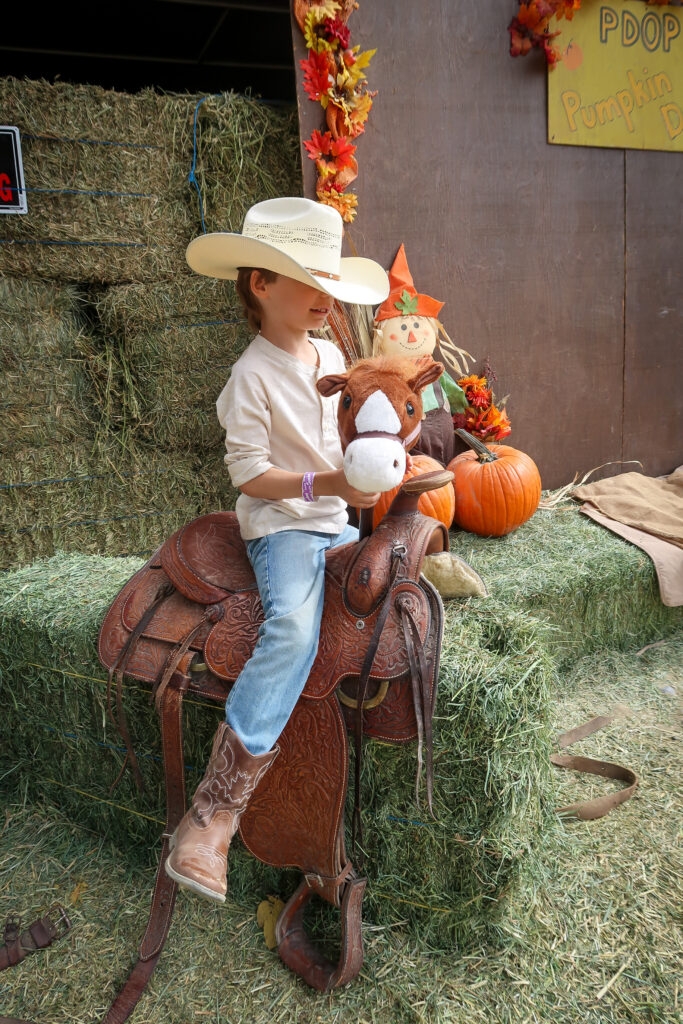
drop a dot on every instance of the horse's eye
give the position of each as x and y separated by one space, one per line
346 401
410 408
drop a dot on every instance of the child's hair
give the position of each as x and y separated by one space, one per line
250 304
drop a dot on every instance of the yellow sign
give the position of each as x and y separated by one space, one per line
620 81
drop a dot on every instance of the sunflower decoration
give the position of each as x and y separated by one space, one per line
334 76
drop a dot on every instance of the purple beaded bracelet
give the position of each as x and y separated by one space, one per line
307 487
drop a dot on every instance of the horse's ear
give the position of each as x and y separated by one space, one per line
332 383
427 372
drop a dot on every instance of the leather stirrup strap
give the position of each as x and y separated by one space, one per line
366 669
165 889
117 671
589 810
39 935
298 952
419 679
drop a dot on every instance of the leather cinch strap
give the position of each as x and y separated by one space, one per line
589 810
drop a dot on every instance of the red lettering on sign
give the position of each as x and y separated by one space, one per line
5 193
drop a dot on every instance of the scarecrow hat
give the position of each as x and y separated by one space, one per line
404 299
296 238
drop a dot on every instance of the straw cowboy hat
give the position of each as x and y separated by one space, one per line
296 238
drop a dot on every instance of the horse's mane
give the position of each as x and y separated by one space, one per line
398 366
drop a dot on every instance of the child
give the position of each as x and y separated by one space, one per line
284 455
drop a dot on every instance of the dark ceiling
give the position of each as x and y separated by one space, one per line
175 45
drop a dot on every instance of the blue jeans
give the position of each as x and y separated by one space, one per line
290 572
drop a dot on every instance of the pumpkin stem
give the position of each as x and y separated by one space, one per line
485 454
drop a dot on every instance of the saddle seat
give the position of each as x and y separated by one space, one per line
206 565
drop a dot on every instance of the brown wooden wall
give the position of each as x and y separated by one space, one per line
561 264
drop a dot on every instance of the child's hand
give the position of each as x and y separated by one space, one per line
336 483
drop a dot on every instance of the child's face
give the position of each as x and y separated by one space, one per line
292 304
407 336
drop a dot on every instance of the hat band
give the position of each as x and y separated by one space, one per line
323 273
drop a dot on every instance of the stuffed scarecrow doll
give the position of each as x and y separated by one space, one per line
407 324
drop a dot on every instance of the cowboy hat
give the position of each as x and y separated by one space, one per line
296 238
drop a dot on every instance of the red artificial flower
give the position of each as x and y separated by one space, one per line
481 418
476 391
334 28
331 155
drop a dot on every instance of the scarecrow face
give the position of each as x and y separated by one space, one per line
408 336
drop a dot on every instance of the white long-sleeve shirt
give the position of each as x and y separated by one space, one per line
274 416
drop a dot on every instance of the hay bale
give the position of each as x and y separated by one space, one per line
491 747
246 151
169 348
107 177
593 589
116 504
73 477
450 880
47 396
107 199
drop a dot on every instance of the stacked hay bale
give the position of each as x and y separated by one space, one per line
113 352
442 878
502 661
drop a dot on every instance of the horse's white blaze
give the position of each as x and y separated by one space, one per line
377 413
375 463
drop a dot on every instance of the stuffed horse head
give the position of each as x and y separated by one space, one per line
379 416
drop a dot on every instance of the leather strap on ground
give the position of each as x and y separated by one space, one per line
39 935
589 810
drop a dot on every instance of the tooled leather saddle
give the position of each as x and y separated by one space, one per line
188 620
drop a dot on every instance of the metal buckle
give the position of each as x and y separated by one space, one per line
12 928
61 920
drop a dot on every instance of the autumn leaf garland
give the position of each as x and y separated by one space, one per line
334 76
530 29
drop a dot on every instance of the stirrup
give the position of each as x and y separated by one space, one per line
298 952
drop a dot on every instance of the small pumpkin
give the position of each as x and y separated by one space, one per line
438 504
496 487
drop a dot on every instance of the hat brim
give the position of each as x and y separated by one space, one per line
220 254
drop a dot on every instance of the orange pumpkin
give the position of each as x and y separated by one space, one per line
439 503
497 488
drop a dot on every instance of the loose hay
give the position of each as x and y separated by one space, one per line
601 902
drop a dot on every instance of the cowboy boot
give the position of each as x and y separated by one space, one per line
198 857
